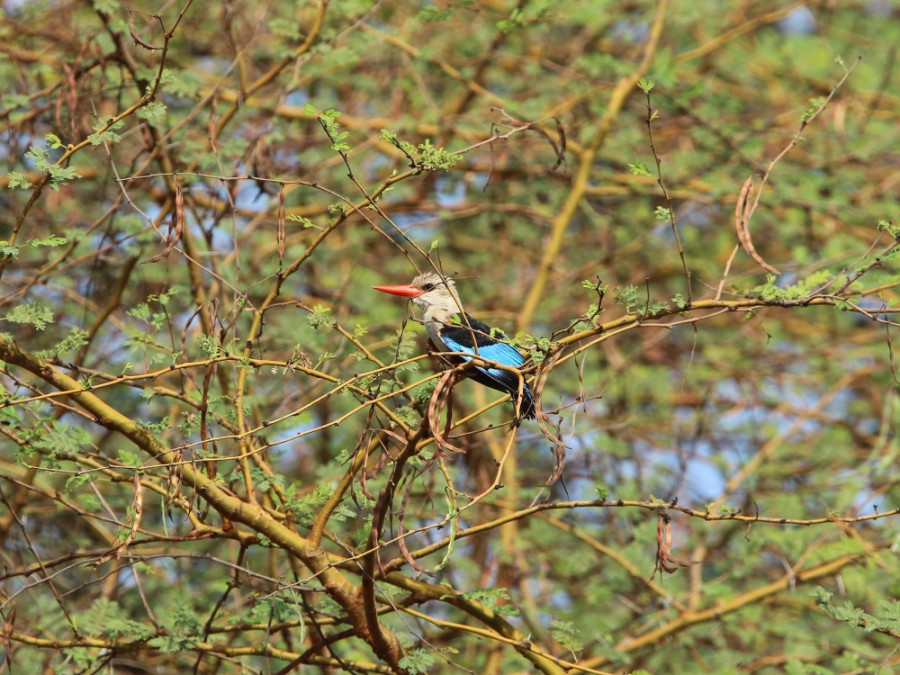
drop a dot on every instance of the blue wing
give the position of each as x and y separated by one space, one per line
498 351
476 338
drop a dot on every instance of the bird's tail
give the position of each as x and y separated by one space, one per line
527 407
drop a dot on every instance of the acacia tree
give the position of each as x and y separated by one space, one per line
223 452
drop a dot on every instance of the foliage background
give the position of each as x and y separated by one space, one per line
217 450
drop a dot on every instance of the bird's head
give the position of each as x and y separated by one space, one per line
430 291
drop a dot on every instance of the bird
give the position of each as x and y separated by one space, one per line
452 330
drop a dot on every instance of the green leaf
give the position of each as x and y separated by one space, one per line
107 135
35 313
172 644
284 27
52 241
303 220
182 83
19 180
814 105
264 481
73 482
656 307
516 20
565 633
186 621
646 86
628 297
883 226
320 316
639 169
106 618
496 599
431 158
417 662
209 345
432 14
60 175
63 438
128 457
154 112
39 156
408 415
75 339
84 659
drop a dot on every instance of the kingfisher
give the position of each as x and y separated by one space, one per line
452 330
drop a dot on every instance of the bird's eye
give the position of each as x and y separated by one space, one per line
428 287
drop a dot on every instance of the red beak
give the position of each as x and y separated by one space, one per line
406 290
